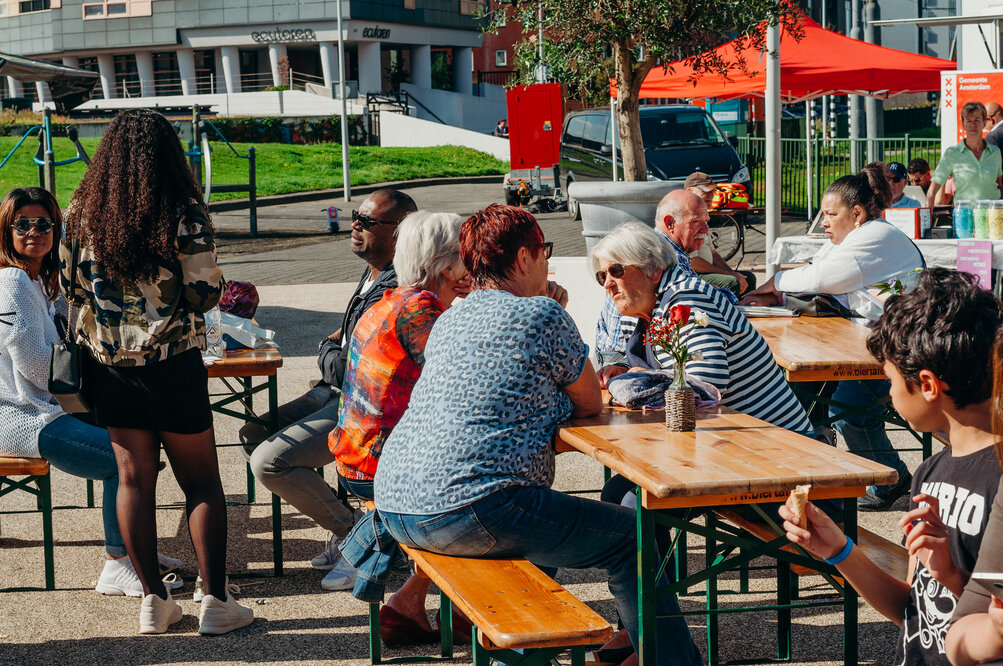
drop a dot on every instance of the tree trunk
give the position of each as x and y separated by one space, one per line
629 77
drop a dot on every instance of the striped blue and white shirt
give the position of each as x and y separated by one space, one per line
736 358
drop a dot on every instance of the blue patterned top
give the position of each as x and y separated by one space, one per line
485 408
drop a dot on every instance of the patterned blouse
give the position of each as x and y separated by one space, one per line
143 323
385 357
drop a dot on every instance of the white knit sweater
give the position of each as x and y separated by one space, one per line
26 333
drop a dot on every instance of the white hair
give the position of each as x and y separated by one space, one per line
634 244
671 206
427 244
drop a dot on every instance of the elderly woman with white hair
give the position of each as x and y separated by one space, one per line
639 272
385 357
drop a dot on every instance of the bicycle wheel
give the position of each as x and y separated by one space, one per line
725 235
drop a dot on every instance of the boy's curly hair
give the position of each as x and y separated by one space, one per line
128 204
946 325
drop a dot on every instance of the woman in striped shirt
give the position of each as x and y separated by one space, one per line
640 274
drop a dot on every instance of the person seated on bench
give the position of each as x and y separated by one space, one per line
32 425
285 461
863 250
936 346
467 470
705 260
385 357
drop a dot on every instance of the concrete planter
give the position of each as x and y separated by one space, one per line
606 204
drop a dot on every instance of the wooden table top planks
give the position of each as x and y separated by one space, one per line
731 458
262 362
819 348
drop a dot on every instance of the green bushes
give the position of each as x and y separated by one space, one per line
279 130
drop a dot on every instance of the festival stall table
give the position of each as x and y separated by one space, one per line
731 459
937 251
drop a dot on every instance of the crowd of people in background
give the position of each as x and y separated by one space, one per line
456 362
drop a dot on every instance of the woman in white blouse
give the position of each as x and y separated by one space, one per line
32 425
863 250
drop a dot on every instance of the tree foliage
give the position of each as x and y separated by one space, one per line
626 39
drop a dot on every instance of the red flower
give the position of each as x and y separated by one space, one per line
679 314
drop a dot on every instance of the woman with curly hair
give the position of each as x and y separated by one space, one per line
146 273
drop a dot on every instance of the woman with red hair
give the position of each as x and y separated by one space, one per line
468 468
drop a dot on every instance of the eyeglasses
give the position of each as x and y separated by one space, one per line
23 225
615 271
548 249
915 180
367 222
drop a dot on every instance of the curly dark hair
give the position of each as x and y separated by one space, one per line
946 325
15 200
129 203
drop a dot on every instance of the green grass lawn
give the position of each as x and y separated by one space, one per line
281 168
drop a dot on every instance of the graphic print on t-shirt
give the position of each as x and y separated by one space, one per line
965 488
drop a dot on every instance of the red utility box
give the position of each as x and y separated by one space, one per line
535 119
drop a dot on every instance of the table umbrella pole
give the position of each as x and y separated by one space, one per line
772 142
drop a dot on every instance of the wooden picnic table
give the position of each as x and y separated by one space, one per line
244 366
731 459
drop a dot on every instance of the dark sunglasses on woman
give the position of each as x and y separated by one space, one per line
548 249
615 270
367 222
23 225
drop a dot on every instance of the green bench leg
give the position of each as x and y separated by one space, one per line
45 506
849 594
374 633
710 547
478 652
578 656
446 625
276 534
90 494
783 613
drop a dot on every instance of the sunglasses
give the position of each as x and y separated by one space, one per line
548 249
615 271
367 222
23 225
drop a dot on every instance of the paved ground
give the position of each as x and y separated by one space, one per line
303 291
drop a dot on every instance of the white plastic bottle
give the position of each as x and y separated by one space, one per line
213 333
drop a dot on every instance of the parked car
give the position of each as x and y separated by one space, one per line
678 140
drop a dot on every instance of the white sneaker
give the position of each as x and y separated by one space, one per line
167 564
217 617
327 559
156 614
199 593
340 577
118 577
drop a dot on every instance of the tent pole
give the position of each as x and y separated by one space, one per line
772 142
808 127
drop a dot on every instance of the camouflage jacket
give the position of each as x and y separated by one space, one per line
142 323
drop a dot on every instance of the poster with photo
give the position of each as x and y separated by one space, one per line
959 88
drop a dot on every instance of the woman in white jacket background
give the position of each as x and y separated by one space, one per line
863 250
32 425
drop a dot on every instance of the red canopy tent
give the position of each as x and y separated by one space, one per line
821 63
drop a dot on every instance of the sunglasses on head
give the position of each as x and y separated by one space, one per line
615 271
367 222
23 225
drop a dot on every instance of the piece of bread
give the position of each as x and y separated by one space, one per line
800 502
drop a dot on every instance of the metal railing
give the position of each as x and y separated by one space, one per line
830 159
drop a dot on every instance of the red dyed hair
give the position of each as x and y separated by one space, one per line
490 240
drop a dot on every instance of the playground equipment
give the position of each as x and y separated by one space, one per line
45 157
200 152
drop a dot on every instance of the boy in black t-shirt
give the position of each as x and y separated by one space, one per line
936 346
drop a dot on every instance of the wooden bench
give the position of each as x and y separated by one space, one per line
890 557
512 605
37 483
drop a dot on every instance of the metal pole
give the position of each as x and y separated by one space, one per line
615 135
825 98
50 156
875 107
809 126
252 189
856 102
772 142
345 167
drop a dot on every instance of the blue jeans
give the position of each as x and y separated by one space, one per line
84 450
361 489
864 432
551 529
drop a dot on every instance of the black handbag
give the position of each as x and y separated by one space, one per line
66 364
817 305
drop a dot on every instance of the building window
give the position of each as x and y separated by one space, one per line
470 7
109 9
166 78
90 63
205 71
501 58
33 6
127 76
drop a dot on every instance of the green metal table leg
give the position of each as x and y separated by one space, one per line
90 494
783 613
578 656
849 594
478 652
45 504
374 633
710 548
607 474
249 475
276 534
446 626
681 561
743 576
246 384
647 567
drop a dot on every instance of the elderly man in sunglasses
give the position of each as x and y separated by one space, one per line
285 461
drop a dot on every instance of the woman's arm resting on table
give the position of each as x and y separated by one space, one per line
977 638
822 537
585 394
765 294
